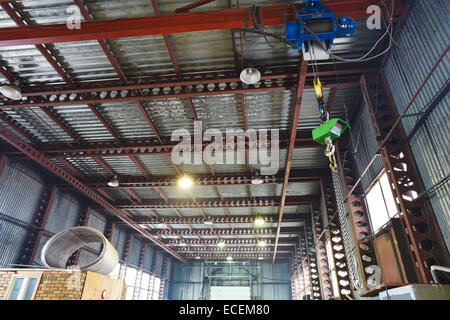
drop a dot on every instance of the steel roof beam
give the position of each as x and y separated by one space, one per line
294 124
217 203
164 24
199 220
203 180
46 99
228 232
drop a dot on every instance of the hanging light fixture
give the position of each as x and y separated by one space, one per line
257 180
114 182
221 244
185 182
11 91
259 221
250 76
208 222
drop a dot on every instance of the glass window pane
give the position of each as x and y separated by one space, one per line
130 293
130 276
16 288
156 284
145 282
377 208
388 197
143 294
32 282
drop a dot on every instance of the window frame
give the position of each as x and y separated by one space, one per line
27 276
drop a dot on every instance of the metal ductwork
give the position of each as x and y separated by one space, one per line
62 245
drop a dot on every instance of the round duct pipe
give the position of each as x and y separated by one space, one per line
62 245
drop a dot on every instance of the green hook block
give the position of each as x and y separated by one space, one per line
334 128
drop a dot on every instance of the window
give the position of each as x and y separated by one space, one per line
148 288
381 203
23 288
130 280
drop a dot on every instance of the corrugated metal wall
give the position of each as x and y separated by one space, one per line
422 41
63 214
365 146
17 183
118 241
189 281
135 250
148 258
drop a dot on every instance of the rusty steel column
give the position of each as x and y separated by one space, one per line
316 292
31 244
163 277
421 229
3 163
321 252
358 214
334 235
109 229
126 254
307 283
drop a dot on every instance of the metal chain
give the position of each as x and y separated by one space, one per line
346 233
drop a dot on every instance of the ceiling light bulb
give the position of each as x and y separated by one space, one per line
185 182
221 244
208 222
261 243
197 258
11 91
114 182
229 258
257 181
260 258
250 76
259 221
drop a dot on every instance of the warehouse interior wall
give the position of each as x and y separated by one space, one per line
405 72
267 281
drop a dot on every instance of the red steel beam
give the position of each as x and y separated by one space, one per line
34 154
164 24
294 124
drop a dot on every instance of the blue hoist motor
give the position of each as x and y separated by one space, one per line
316 21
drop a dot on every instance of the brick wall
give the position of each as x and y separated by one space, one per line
61 285
5 280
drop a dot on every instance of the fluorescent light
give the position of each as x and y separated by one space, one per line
197 258
221 244
260 258
261 243
114 182
250 76
229 258
185 182
259 221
